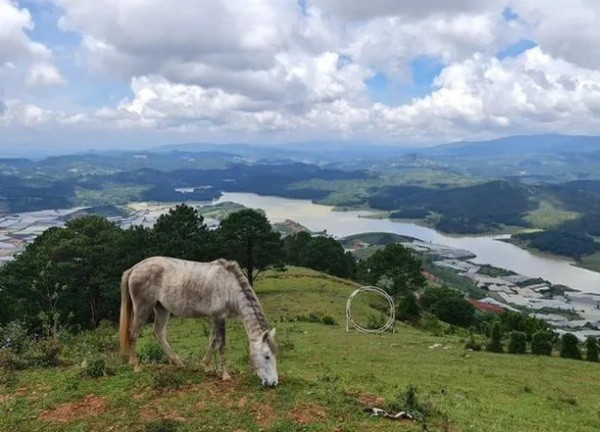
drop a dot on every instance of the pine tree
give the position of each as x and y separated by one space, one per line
541 344
570 347
495 342
518 343
592 349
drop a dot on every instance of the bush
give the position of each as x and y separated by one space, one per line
433 325
570 347
541 343
10 360
408 309
592 349
375 322
163 425
8 377
517 343
152 353
14 336
408 400
448 305
168 379
49 352
472 344
495 342
328 320
96 368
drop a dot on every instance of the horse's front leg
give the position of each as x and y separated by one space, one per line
220 337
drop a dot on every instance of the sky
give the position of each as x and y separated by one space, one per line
107 74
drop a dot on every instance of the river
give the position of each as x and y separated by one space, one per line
488 249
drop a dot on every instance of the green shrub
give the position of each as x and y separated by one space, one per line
8 377
570 347
96 368
163 425
328 320
541 343
14 336
10 360
408 400
433 325
592 349
472 344
168 379
517 343
152 353
49 352
375 322
495 342
408 309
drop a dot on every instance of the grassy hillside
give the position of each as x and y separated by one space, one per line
327 376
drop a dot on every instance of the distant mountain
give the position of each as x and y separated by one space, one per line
516 145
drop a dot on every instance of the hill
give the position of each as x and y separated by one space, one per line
327 376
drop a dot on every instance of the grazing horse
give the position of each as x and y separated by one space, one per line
217 289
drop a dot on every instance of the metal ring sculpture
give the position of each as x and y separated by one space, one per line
350 321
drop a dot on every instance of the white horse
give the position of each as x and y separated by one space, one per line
218 289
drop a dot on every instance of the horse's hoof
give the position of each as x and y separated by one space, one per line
137 368
226 376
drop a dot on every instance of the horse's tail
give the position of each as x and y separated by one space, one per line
126 312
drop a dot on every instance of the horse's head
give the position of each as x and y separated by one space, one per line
263 359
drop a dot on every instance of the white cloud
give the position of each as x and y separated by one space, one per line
25 114
391 43
44 74
257 68
15 44
359 10
564 29
20 56
531 93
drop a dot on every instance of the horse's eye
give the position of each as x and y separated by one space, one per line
267 357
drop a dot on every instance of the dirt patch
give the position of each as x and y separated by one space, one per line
90 405
368 400
153 412
221 392
263 414
308 413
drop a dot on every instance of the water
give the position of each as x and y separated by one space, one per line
488 249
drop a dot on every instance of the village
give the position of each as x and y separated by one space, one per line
563 308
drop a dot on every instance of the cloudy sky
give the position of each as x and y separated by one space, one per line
77 74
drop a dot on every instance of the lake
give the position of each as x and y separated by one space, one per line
488 249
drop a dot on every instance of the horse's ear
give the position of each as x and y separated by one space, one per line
272 333
265 336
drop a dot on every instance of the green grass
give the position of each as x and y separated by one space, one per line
110 194
323 372
591 262
549 215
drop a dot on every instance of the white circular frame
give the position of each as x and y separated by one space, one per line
350 323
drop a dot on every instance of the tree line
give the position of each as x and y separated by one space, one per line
70 275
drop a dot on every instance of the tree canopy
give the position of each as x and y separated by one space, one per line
395 262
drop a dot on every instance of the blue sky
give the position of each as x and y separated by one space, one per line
116 73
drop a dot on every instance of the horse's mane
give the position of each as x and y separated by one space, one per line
234 268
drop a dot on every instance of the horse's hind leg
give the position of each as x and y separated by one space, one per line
206 360
220 336
161 318
140 316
